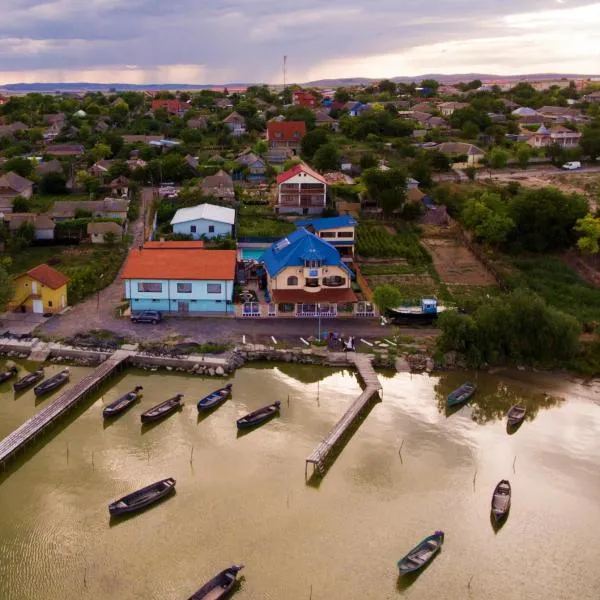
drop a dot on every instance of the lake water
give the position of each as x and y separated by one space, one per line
244 499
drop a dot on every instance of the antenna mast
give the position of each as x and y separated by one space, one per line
284 71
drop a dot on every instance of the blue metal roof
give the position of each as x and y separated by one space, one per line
297 247
327 222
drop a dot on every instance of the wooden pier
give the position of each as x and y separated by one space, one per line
318 457
32 428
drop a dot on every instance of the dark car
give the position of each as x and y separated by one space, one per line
147 316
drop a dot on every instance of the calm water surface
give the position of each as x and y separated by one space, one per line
244 499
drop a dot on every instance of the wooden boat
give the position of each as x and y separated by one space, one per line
6 375
163 409
52 383
219 586
142 498
501 500
215 398
421 554
461 394
29 380
259 416
516 415
123 403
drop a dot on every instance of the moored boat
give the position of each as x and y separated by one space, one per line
142 498
421 554
461 394
122 403
425 313
219 586
28 380
515 415
8 374
163 409
501 500
258 417
214 398
52 383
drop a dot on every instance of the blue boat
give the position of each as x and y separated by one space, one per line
214 398
421 554
462 394
260 416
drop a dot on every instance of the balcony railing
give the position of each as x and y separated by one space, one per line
335 281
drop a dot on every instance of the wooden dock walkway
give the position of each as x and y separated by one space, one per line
27 432
318 457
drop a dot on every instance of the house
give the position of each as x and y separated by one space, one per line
198 123
305 99
223 103
204 220
65 149
559 113
192 162
236 124
524 111
219 185
101 127
285 134
254 168
100 169
180 281
558 134
306 277
174 245
11 186
40 290
354 108
322 119
110 208
593 97
301 191
43 224
173 107
345 164
120 186
136 163
340 232
448 108
52 166
9 131
97 230
454 149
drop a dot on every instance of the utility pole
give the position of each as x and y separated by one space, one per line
284 72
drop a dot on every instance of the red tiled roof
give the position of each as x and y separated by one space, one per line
48 276
334 296
170 105
300 168
287 129
174 245
180 264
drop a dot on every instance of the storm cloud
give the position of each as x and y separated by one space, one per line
195 41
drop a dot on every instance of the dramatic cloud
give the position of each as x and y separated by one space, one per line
184 41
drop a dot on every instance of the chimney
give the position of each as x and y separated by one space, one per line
140 248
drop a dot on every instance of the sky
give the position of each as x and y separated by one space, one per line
225 41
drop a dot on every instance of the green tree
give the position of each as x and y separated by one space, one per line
439 161
385 85
327 158
470 130
386 297
300 113
110 237
589 230
341 95
431 84
53 184
19 165
100 151
523 155
590 140
471 172
312 141
487 217
368 161
387 188
498 158
6 288
25 233
20 204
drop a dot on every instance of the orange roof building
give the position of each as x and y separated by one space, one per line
40 290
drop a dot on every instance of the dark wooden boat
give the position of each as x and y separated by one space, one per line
421 554
501 500
123 403
461 394
142 498
163 409
219 586
215 398
52 383
515 415
29 380
8 374
259 416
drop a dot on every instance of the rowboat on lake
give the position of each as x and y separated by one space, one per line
214 398
515 415
8 374
258 417
501 500
122 403
461 394
52 383
421 554
29 380
142 498
163 409
219 586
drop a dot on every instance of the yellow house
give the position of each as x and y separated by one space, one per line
40 290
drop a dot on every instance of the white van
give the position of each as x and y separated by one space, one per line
575 164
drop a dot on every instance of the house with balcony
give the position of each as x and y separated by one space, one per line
180 281
204 221
306 277
558 134
302 191
340 232
41 290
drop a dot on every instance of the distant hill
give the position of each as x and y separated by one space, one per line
105 87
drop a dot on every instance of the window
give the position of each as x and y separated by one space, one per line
192 229
50 303
213 288
312 264
346 234
312 282
293 280
184 288
327 234
211 229
149 287
286 308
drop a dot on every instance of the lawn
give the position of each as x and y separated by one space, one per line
40 204
261 225
376 241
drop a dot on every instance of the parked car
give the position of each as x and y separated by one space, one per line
147 316
574 164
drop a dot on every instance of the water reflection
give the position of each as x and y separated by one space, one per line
493 398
